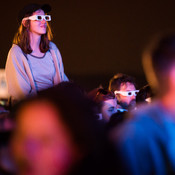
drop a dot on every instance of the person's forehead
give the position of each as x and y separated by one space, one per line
38 114
127 87
39 12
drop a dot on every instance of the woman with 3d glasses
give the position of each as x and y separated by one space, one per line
34 62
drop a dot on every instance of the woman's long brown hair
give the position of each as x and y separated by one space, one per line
22 38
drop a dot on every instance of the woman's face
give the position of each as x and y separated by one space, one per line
109 107
41 143
38 27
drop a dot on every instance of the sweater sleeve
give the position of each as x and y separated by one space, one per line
18 81
56 52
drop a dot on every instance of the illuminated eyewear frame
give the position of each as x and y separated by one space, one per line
127 93
39 17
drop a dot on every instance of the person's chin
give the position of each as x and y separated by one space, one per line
123 105
44 32
132 104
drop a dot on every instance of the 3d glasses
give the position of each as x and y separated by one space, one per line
39 17
127 93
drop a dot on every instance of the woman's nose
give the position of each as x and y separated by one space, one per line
43 21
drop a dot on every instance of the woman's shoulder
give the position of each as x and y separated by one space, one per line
15 49
16 53
52 45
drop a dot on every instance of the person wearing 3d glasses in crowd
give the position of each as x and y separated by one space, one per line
124 87
33 62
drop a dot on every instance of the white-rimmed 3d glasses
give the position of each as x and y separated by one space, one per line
39 17
127 93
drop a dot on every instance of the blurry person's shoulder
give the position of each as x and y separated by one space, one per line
146 110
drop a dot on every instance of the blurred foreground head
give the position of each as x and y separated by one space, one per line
55 131
159 62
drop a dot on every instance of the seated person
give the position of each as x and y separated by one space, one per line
106 103
124 87
144 95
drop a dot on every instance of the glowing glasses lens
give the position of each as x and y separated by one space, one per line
47 18
39 18
129 93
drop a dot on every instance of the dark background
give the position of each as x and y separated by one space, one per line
96 38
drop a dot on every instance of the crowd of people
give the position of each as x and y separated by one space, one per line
65 129
53 126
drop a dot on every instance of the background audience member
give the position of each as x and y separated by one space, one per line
124 87
144 95
56 133
106 103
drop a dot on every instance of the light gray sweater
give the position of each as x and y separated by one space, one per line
19 77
